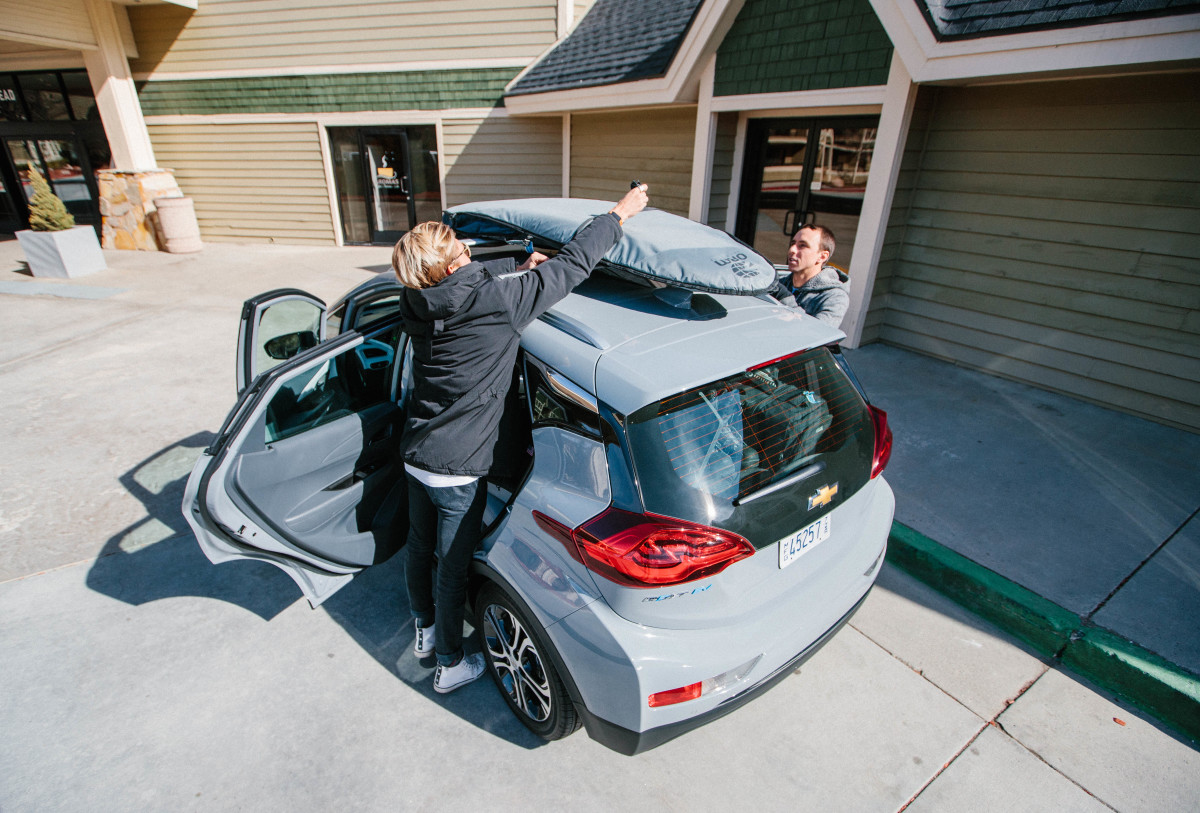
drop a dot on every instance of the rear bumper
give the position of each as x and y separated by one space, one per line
616 665
625 741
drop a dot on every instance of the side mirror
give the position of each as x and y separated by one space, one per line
289 344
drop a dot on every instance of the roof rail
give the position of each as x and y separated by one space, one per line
574 328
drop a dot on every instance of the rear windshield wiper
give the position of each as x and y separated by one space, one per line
803 474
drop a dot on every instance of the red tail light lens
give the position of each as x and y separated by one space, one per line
673 696
647 550
883 442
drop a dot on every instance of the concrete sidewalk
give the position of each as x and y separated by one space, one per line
1071 526
134 675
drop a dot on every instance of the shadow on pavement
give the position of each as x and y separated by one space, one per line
373 609
158 558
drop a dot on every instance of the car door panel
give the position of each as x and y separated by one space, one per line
306 473
322 488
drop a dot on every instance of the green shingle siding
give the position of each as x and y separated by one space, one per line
777 46
327 93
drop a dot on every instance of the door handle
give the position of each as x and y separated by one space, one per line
789 218
382 435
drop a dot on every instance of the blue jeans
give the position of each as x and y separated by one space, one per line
448 521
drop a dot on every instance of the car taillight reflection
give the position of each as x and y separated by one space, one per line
883 442
648 550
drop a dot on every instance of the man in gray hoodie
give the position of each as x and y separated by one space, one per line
822 292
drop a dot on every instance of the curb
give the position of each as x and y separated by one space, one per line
1146 680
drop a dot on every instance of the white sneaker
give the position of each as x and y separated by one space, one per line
423 645
449 678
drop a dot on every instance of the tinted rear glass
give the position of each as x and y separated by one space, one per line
708 453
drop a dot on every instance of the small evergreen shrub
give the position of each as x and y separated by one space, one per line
46 209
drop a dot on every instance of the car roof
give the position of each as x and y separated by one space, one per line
630 345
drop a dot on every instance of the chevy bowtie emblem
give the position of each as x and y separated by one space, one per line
824 496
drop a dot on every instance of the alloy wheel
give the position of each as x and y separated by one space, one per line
517 662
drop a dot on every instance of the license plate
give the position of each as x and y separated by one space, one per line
796 545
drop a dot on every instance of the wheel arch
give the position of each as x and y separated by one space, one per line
483 574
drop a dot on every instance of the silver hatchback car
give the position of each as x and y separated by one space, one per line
691 503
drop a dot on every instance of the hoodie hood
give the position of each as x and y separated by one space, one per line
828 277
447 297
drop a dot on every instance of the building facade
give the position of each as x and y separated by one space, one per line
322 123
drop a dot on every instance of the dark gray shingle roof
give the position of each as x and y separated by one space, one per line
970 19
616 41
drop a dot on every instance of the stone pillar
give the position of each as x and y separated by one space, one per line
125 200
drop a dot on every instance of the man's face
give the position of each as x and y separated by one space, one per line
805 256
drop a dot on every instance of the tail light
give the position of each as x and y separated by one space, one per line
672 696
883 442
647 550
720 683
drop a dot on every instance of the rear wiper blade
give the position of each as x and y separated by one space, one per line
803 474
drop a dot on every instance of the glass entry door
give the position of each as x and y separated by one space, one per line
49 122
800 171
387 180
62 163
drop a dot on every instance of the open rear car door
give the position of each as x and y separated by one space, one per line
305 472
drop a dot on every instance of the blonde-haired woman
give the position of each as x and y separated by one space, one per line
464 319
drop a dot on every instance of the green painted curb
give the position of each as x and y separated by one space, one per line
1141 677
1037 621
1137 675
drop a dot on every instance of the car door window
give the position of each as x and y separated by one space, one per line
348 383
276 326
376 310
285 329
555 400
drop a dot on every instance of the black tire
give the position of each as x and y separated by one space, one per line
517 656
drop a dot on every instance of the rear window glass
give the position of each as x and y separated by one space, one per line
707 447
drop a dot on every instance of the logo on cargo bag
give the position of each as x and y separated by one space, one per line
739 265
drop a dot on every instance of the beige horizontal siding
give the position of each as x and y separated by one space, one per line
500 157
250 182
295 35
16 56
1050 233
608 150
65 20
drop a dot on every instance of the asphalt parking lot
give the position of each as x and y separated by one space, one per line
136 676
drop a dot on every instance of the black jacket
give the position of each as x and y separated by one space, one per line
465 332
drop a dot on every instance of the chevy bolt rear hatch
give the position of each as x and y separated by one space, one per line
748 424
